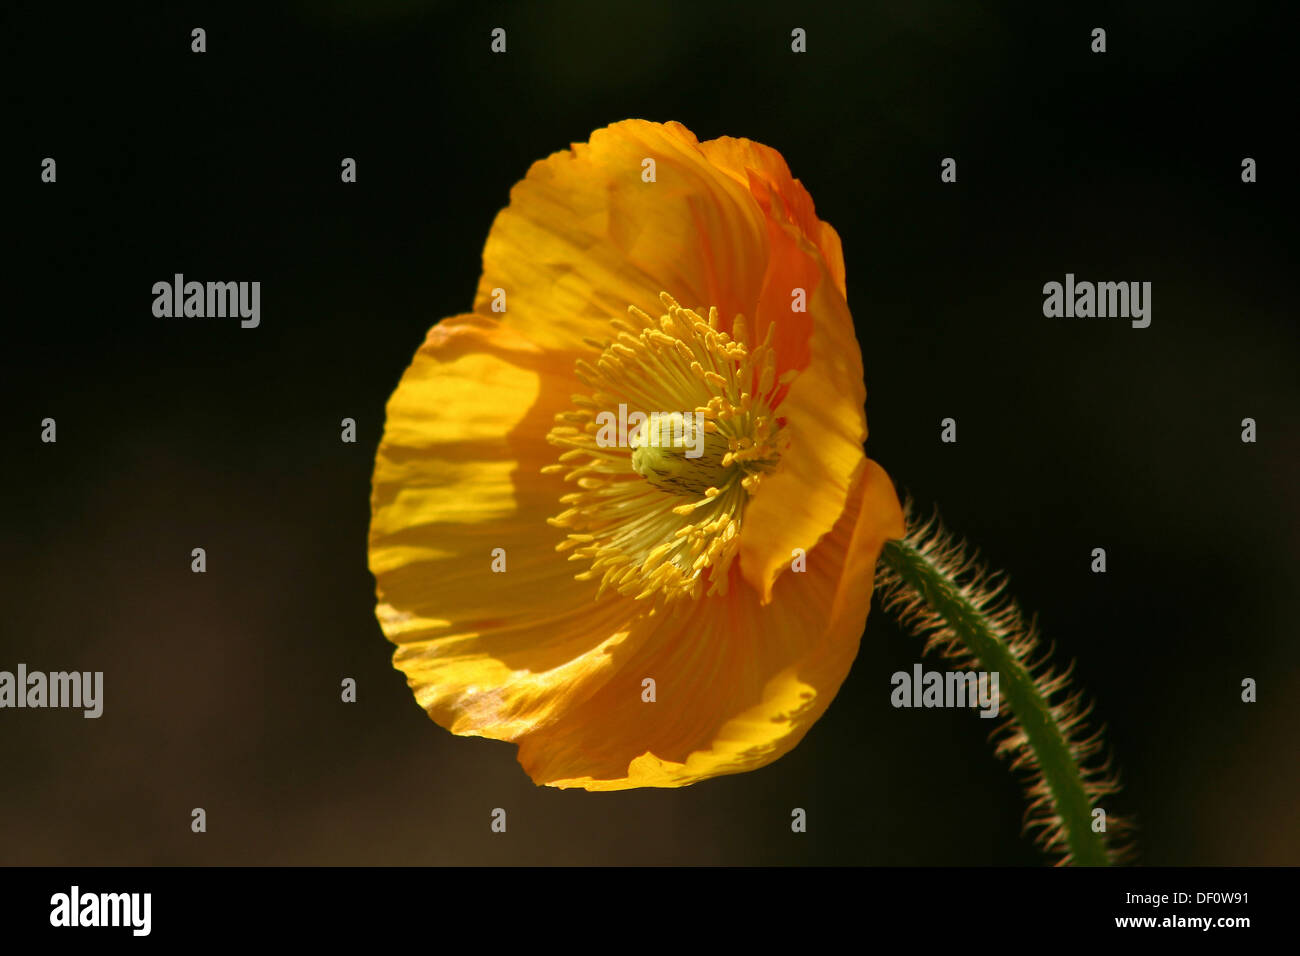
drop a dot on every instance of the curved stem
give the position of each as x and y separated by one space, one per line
924 579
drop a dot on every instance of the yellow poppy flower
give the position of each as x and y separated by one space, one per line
636 605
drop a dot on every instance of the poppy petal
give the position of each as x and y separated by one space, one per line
737 684
457 476
584 236
825 425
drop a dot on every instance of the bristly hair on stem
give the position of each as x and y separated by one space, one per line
939 590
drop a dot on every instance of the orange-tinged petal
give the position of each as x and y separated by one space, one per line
790 219
584 236
456 476
738 684
825 427
752 164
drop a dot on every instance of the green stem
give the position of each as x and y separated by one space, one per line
1047 731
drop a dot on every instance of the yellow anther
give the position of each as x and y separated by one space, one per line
656 516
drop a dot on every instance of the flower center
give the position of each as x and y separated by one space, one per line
675 435
677 454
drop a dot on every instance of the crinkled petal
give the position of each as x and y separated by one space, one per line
457 476
825 426
737 683
585 236
750 163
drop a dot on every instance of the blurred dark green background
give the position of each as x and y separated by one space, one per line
222 690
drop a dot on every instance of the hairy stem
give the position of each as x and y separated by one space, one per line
938 591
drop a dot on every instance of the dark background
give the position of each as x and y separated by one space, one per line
222 690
